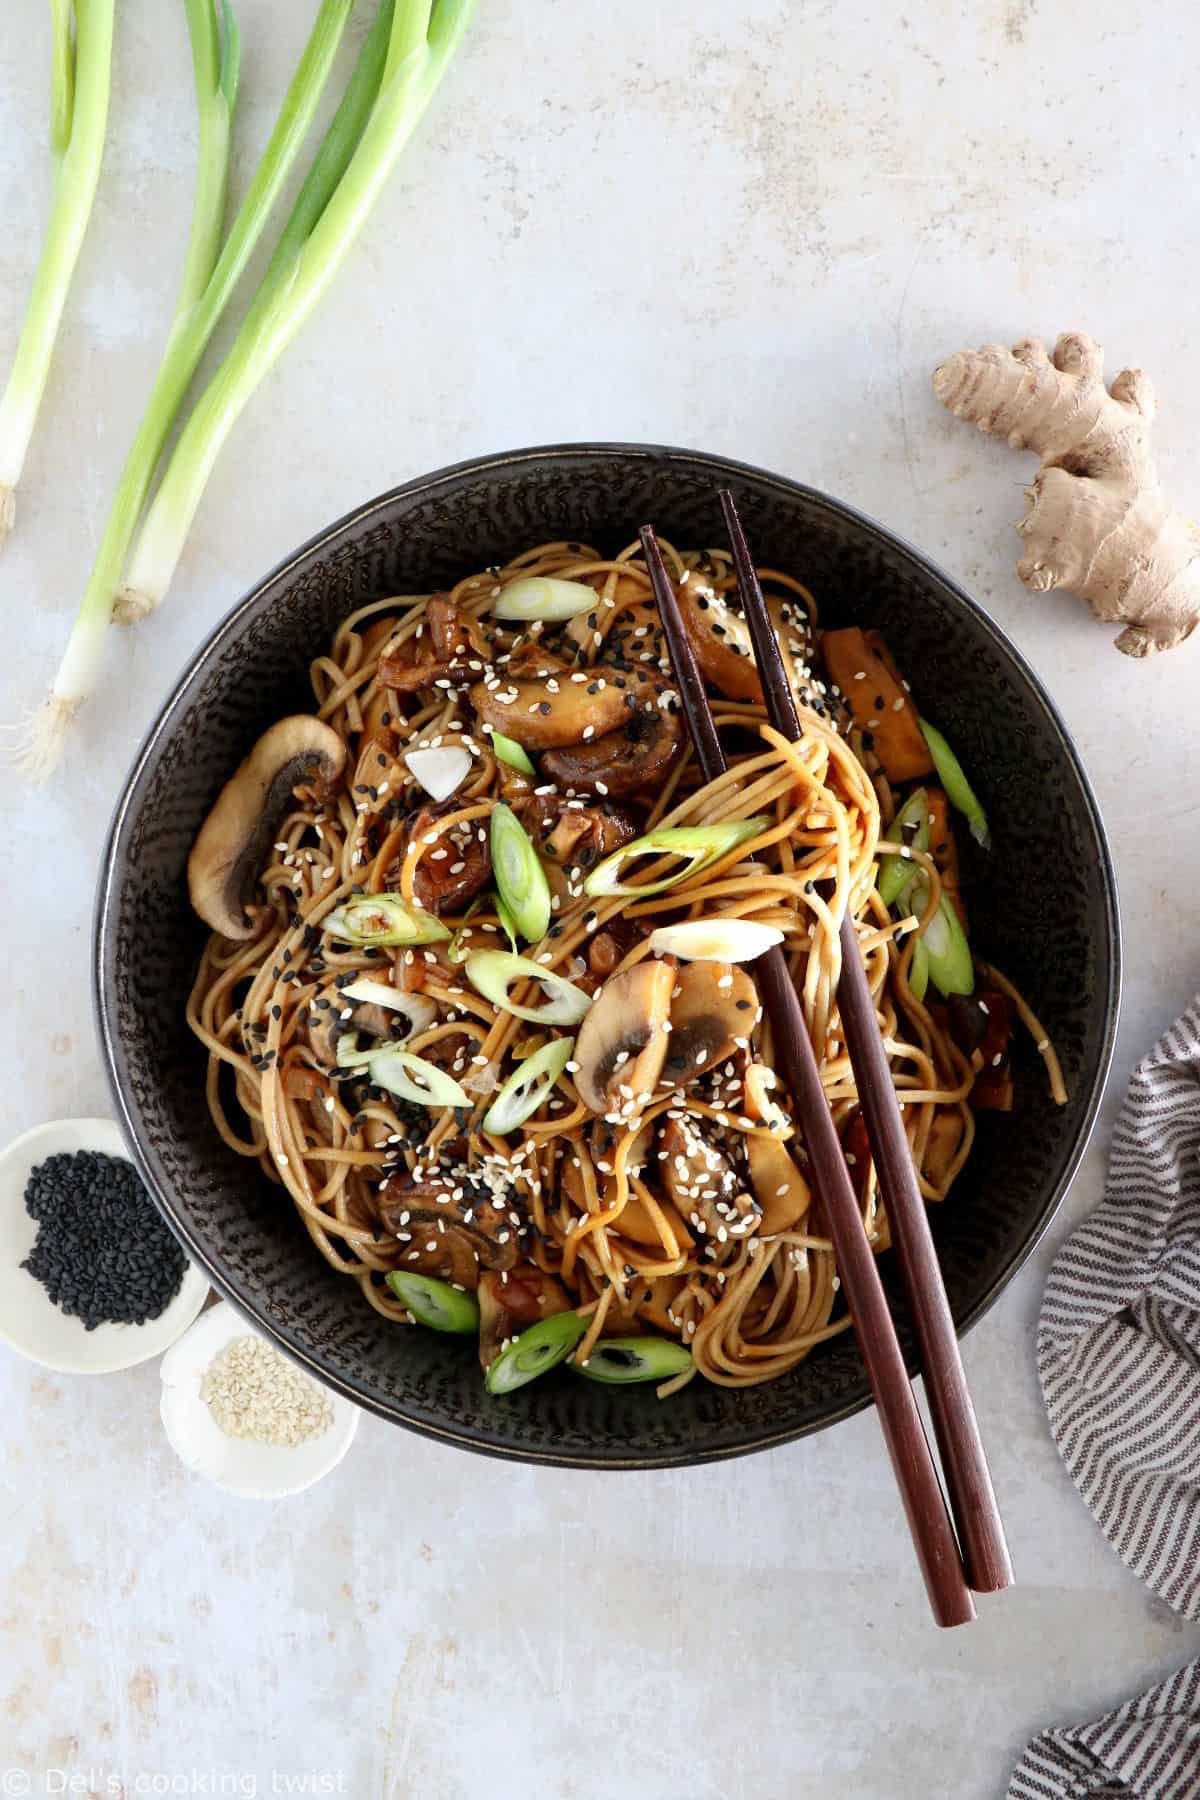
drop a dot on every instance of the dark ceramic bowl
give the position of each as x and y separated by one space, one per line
1043 904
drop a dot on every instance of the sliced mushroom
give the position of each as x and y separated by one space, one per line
704 1185
531 660
378 776
452 870
761 1096
779 1187
453 631
713 1004
623 1039
298 755
456 650
509 1303
546 715
639 754
568 831
452 1238
612 944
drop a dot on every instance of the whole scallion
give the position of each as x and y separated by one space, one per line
81 76
203 298
399 70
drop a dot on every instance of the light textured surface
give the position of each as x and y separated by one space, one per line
738 224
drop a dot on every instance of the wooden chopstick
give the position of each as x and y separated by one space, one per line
932 1533
964 1463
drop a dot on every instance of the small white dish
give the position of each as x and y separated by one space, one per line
29 1319
244 1466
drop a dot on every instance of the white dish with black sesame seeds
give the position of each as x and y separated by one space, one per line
30 1320
239 1412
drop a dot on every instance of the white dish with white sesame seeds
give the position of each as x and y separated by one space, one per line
261 1390
29 1320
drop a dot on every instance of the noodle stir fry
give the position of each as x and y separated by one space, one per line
480 993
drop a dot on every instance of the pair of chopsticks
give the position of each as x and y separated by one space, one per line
977 1558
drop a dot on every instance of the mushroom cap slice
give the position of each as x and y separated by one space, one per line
779 1187
541 716
635 757
453 870
712 1005
452 1239
622 1042
704 1185
298 752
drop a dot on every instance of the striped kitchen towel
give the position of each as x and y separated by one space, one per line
1119 1360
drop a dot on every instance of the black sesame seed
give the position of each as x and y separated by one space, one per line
103 1253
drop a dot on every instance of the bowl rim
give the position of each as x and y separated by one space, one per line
481 1438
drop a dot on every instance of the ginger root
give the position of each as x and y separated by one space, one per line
1096 520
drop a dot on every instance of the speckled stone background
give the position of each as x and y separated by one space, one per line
740 224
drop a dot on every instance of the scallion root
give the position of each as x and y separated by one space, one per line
44 735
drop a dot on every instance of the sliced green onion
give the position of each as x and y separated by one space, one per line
382 919
953 778
189 336
544 597
81 77
715 940
635 1359
918 971
412 1078
348 1055
702 845
527 1087
437 1304
401 64
507 923
911 828
509 751
454 949
419 1011
493 972
536 1351
520 877
951 965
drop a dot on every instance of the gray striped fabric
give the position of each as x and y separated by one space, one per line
1119 1360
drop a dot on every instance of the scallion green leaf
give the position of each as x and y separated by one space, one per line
544 597
520 877
509 751
493 972
951 965
701 845
953 778
437 1304
528 1086
383 919
81 77
193 327
621 1360
535 1352
910 827
413 1078
399 69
